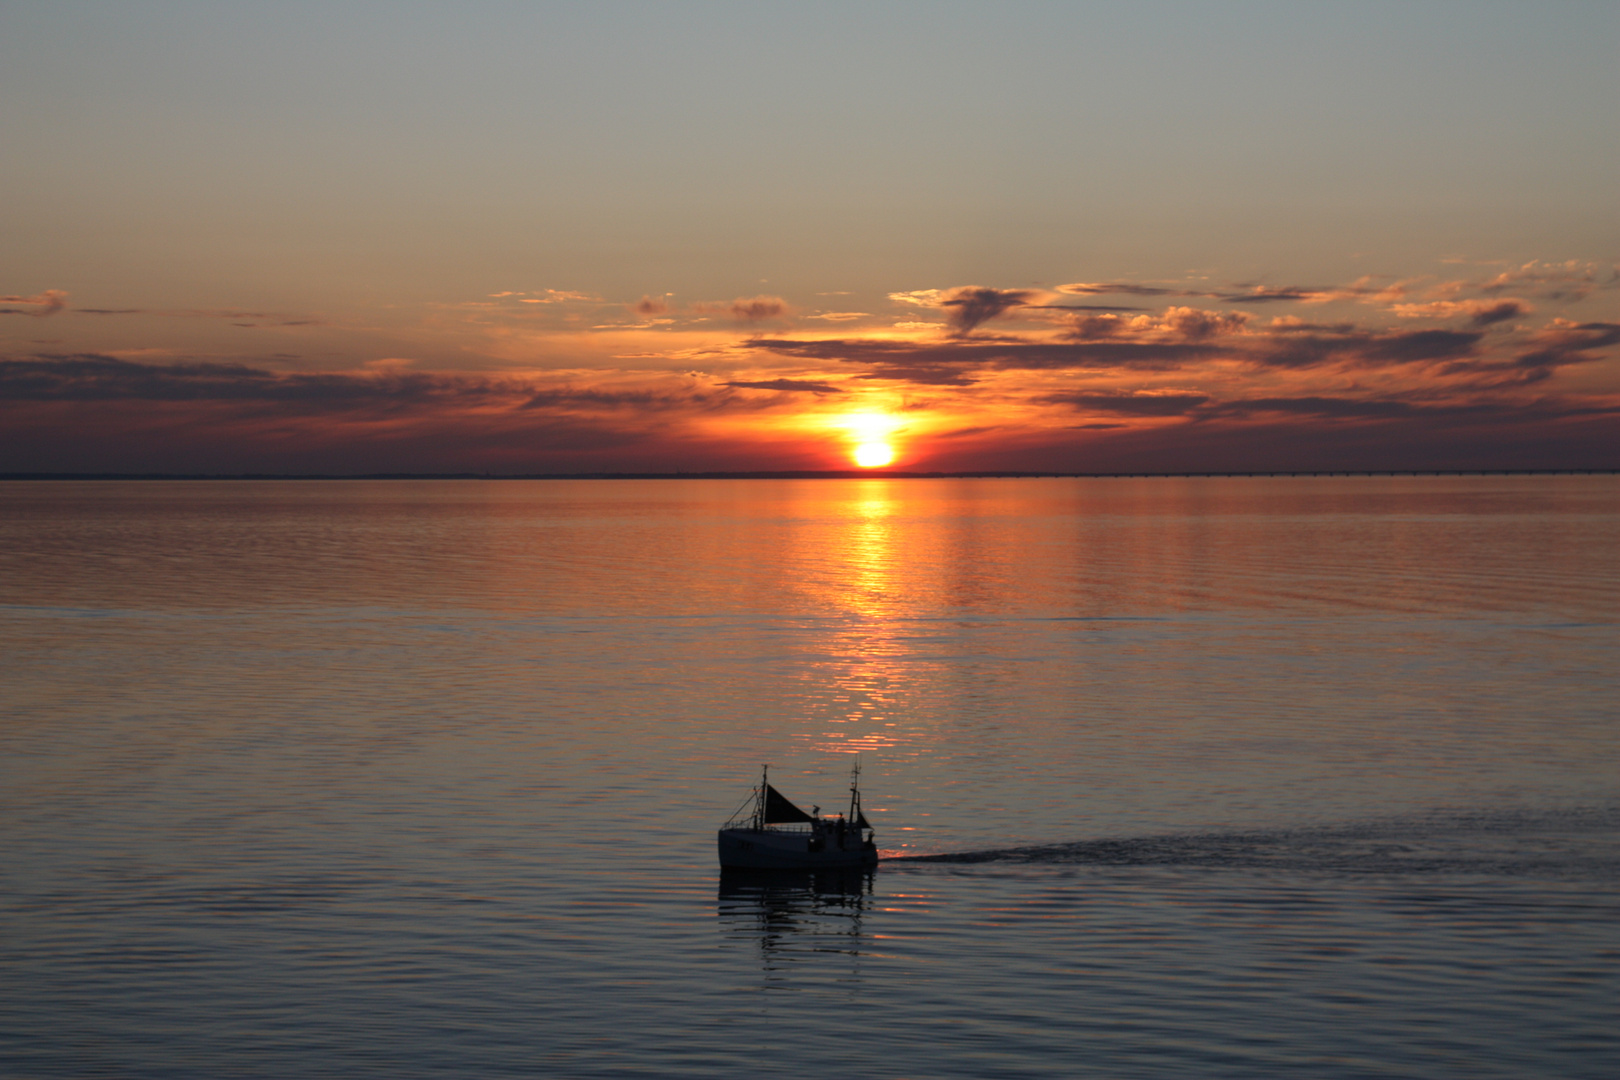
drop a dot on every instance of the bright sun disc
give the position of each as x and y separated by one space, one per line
872 455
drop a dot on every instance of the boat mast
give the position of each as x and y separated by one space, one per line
759 804
855 791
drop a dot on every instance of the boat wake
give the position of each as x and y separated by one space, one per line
1579 843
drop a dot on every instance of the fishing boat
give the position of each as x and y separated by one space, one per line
769 832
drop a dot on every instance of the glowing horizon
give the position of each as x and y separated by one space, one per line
361 271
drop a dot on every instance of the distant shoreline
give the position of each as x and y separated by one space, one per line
825 474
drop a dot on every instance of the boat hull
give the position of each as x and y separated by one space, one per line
770 849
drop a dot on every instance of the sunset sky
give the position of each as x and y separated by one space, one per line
535 237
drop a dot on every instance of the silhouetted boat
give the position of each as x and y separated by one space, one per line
770 833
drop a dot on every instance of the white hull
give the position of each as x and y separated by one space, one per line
780 849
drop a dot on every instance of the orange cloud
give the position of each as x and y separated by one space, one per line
44 303
747 309
1196 325
560 296
1479 312
1161 380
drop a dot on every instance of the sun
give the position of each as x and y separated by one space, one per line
871 437
873 455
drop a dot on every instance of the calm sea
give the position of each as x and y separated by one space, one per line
1236 777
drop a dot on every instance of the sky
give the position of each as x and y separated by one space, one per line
555 238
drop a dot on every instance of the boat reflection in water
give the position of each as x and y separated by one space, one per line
795 912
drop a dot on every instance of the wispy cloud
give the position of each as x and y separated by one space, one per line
1570 280
1184 337
557 296
790 385
1358 348
1195 324
953 362
44 303
1559 344
1128 404
235 316
1121 288
966 307
1478 312
969 306
747 309
1365 291
92 377
1395 408
1007 374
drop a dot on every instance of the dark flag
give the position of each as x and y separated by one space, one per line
779 809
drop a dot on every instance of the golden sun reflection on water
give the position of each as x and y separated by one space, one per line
863 676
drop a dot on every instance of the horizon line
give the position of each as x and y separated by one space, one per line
812 474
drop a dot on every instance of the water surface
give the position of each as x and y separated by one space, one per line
1216 777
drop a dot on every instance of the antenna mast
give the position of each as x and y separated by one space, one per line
759 804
